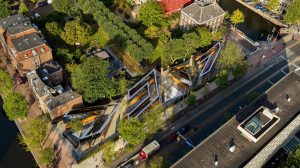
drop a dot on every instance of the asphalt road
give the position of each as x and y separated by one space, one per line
209 120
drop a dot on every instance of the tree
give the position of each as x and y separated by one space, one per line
293 160
152 32
15 106
292 14
123 84
232 59
53 28
152 13
220 34
132 131
23 8
65 6
36 130
46 156
91 80
160 162
191 98
6 83
273 4
205 37
222 78
75 33
109 154
4 9
153 120
76 125
237 17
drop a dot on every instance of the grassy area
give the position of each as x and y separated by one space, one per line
158 52
100 38
127 60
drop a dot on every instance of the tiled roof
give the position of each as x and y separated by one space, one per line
203 13
12 20
174 5
27 42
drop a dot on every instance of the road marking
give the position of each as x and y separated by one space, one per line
270 82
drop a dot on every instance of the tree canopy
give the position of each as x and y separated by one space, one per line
4 9
273 4
23 8
46 156
160 162
90 79
15 106
152 13
293 160
292 14
53 28
36 130
65 6
222 78
232 59
6 83
76 125
237 17
75 32
191 98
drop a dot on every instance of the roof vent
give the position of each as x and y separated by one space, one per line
231 145
216 160
276 110
288 98
19 18
4 22
232 148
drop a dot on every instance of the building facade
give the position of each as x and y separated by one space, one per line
202 13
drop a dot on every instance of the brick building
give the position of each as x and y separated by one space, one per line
202 13
47 85
24 43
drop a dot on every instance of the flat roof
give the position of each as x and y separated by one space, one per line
18 28
12 20
217 145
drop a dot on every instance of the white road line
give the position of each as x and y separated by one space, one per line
271 82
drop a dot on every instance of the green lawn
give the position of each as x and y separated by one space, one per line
158 52
100 38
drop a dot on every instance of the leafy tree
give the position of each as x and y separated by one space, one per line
273 4
237 17
293 160
123 84
152 13
232 59
4 9
91 80
153 120
6 83
53 28
23 8
152 32
227 15
65 55
36 130
109 154
76 125
15 106
75 32
46 156
132 131
205 37
191 98
292 14
222 78
65 6
160 162
220 34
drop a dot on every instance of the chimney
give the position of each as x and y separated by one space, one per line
216 160
231 145
288 98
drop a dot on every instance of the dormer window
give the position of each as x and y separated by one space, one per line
42 50
26 56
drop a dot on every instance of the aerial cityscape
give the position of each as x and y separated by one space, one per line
150 83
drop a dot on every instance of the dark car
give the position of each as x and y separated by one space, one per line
265 10
40 4
183 129
259 6
188 143
172 137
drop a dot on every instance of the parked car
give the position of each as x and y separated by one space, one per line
247 0
172 137
183 129
266 11
276 16
40 4
259 6
188 143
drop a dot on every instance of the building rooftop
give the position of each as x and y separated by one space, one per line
18 28
216 147
27 42
203 13
12 20
171 6
54 101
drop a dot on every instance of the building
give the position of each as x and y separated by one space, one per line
202 13
283 5
173 6
251 137
24 43
47 84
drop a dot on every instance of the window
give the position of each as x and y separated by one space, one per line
26 55
42 50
